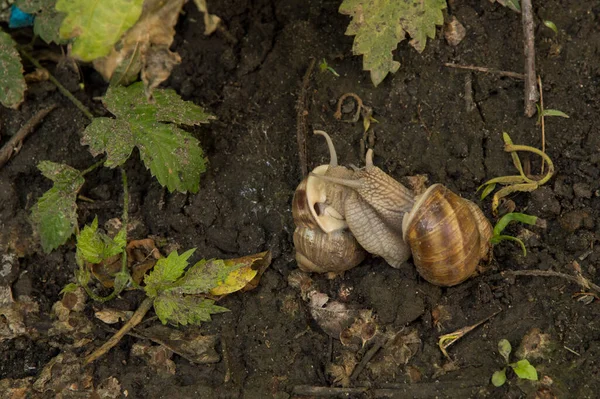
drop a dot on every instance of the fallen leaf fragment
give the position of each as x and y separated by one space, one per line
454 32
156 356
211 22
144 47
112 316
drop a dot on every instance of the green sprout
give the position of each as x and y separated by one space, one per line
324 66
551 25
498 237
522 368
548 112
519 182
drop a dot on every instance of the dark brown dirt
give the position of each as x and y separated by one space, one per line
251 85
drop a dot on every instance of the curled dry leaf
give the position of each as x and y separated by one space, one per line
14 315
70 319
247 277
361 331
145 47
332 316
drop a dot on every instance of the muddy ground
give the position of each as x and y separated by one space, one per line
250 79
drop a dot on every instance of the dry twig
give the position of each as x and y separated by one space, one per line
531 92
15 142
577 279
508 74
301 119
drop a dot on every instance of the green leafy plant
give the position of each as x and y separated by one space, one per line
551 25
498 237
172 154
522 368
514 5
520 182
47 20
378 27
549 112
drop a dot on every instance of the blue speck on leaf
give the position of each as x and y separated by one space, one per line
19 19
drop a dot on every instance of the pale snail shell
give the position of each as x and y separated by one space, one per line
447 235
323 242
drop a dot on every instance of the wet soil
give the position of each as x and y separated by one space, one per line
250 79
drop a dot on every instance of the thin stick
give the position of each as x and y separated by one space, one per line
301 119
580 280
368 356
15 141
132 322
508 74
531 92
60 87
539 80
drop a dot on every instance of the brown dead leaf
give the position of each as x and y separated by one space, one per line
396 353
14 315
342 370
144 47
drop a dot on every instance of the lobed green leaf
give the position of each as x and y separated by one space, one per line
184 310
94 246
173 156
55 214
379 25
12 83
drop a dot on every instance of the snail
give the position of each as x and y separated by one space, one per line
446 234
323 242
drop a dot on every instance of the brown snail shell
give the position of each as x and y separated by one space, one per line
448 236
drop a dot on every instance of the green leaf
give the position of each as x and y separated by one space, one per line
94 246
552 26
379 25
514 5
502 237
55 213
524 370
204 276
166 272
499 378
12 83
487 190
514 217
71 287
47 20
504 348
184 310
555 112
96 25
172 155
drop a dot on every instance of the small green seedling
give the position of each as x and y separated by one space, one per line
519 182
514 217
324 66
548 112
551 25
522 368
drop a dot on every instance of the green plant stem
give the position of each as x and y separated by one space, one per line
137 317
60 87
91 168
516 147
